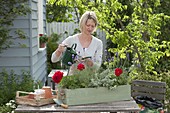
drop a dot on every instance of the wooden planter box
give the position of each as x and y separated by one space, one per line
94 95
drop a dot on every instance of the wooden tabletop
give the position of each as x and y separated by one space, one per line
116 106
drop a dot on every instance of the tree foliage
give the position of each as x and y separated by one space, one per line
57 12
9 10
65 10
138 33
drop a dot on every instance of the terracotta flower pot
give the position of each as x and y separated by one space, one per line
48 92
42 45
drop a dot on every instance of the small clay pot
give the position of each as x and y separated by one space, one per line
31 95
48 92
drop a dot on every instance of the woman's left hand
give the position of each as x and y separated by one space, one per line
88 62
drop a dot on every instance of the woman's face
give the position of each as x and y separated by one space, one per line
89 26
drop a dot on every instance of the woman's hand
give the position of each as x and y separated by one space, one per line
60 49
88 62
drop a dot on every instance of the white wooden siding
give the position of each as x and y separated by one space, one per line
15 52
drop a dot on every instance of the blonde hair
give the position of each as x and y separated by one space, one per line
88 15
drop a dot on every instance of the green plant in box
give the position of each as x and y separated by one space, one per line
89 78
110 78
80 79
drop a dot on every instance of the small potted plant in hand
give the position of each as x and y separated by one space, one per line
43 39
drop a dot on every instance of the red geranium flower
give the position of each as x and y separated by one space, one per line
58 75
80 66
40 34
118 71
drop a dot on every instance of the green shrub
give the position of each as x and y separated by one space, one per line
51 47
11 82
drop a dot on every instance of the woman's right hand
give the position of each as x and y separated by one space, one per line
60 49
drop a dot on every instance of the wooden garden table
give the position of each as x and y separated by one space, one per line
116 106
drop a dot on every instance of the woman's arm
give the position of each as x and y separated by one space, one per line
98 55
96 59
56 55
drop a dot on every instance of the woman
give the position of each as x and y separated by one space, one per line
87 45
